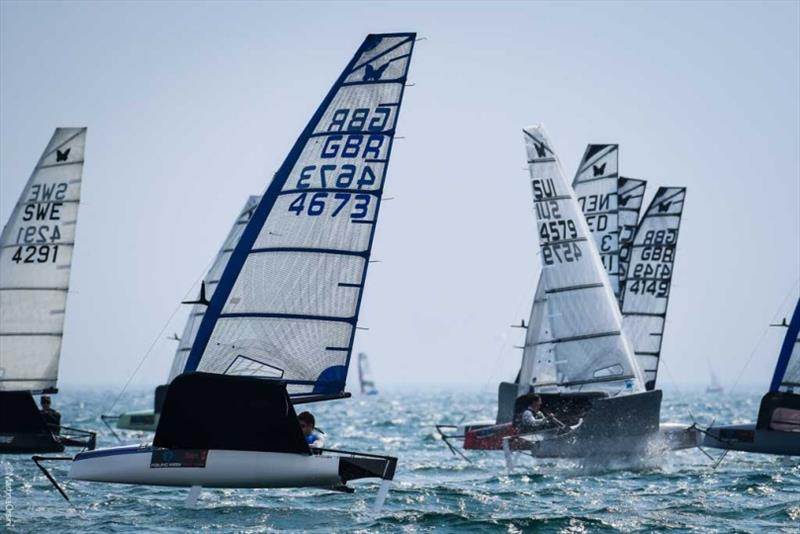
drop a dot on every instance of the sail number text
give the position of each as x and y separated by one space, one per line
557 234
39 228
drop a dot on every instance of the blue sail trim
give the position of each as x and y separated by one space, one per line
786 349
265 206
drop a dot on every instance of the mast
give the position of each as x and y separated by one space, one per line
787 371
287 303
649 278
588 350
36 248
210 284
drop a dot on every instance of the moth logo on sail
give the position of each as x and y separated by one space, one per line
62 156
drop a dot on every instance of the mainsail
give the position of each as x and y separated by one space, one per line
595 186
210 283
287 303
35 259
787 372
365 376
630 194
585 346
649 277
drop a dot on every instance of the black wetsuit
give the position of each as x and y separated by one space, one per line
53 419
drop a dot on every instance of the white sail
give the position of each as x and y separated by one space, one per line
35 259
288 299
787 371
595 186
210 282
649 278
630 194
538 355
589 351
365 379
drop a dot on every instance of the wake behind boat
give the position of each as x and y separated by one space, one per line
36 249
280 326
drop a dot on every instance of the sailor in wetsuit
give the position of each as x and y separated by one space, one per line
51 417
312 435
532 418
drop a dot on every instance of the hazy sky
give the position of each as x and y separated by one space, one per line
192 106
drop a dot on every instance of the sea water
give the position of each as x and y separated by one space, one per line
433 490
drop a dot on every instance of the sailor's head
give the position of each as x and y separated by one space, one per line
306 423
45 401
535 402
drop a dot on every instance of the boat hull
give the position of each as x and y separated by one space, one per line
212 468
748 438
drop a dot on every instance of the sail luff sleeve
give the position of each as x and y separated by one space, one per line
787 370
287 302
585 324
36 248
649 278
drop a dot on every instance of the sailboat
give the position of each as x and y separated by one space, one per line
147 420
365 376
279 328
777 429
36 248
576 356
714 387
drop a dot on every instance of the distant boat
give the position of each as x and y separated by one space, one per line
365 376
280 326
147 420
37 246
714 387
777 429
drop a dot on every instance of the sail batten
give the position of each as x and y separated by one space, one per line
574 340
293 284
36 247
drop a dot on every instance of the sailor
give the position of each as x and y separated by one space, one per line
532 418
312 434
51 417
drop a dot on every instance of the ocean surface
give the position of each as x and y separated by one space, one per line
433 490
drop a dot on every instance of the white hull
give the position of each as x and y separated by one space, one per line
223 469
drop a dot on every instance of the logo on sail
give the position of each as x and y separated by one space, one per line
374 74
62 156
599 170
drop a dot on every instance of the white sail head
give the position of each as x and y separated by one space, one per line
595 187
36 249
787 371
210 281
585 336
649 278
630 195
288 300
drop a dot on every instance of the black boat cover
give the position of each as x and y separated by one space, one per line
242 413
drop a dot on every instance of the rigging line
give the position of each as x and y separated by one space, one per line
763 335
149 351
